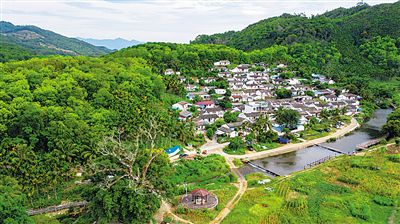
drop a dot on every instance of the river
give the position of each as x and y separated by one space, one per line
295 161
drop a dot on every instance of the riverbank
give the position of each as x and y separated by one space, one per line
342 187
215 148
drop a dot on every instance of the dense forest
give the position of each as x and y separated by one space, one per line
347 30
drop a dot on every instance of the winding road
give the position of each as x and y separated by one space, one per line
212 147
232 203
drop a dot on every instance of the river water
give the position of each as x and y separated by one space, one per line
295 161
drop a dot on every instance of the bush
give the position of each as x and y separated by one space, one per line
383 141
347 180
394 158
298 205
397 140
382 200
238 163
167 220
360 210
181 210
333 139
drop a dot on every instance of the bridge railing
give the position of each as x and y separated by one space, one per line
56 208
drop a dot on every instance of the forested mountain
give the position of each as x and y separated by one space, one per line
366 41
114 44
21 42
341 26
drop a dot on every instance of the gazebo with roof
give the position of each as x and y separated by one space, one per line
199 198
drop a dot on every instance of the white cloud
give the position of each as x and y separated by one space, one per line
154 20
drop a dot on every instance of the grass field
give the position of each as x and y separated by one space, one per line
210 173
357 189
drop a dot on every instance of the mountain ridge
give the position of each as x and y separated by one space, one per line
113 44
40 42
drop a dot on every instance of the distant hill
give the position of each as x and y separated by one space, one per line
346 28
21 42
114 44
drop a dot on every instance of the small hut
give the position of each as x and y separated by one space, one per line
199 198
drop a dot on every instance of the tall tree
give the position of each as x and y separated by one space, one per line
289 118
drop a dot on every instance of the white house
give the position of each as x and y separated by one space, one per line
222 63
181 106
220 91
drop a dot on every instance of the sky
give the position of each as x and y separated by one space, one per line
155 20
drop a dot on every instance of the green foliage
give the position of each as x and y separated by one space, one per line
382 51
230 117
236 146
121 203
282 93
12 200
360 209
199 169
394 158
237 162
289 118
382 200
297 205
392 126
54 111
317 196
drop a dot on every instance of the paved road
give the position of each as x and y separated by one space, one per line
216 148
232 203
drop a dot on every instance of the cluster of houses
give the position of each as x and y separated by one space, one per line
252 93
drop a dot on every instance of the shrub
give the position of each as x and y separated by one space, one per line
181 210
296 204
383 141
333 139
364 164
397 140
360 209
238 163
382 200
394 158
167 220
283 190
347 180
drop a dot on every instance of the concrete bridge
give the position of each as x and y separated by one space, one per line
263 169
56 208
330 148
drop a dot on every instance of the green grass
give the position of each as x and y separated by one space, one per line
210 173
224 192
240 151
313 134
237 162
357 189
270 145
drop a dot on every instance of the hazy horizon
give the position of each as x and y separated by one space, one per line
155 20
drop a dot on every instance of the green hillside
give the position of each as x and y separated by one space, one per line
21 42
340 26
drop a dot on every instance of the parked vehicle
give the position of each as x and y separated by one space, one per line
183 155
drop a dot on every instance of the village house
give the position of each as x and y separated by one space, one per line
185 115
206 104
222 63
241 68
220 91
202 95
182 105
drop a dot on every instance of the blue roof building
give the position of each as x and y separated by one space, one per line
173 151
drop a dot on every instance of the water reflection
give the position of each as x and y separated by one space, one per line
291 162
